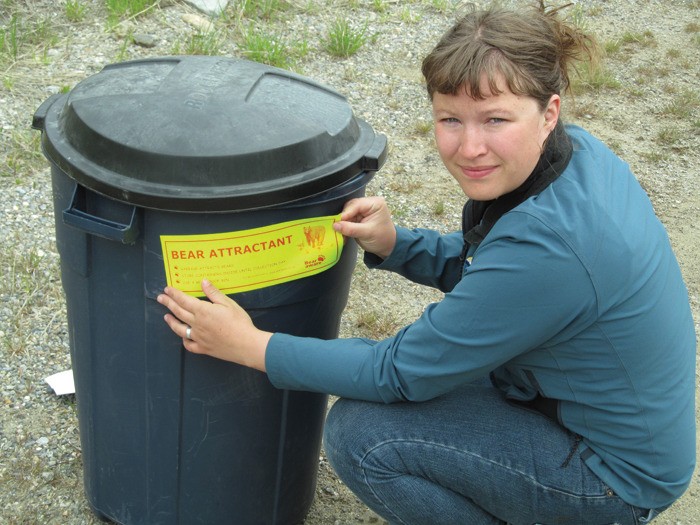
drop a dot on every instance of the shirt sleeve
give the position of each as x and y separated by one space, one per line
522 290
424 257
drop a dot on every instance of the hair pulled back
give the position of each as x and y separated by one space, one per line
533 48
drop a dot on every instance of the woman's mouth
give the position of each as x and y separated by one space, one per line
477 172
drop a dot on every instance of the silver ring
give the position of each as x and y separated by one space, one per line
188 333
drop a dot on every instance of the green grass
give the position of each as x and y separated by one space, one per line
593 78
22 36
11 38
261 9
201 43
125 9
259 44
75 10
343 40
670 137
424 127
684 105
408 16
265 48
376 324
23 156
443 6
644 39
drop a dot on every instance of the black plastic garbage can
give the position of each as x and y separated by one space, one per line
192 148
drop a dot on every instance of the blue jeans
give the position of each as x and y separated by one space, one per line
468 457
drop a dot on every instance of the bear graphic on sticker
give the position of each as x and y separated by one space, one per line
314 236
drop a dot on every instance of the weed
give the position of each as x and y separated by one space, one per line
10 38
376 324
408 16
643 39
669 137
379 6
634 92
344 41
349 74
24 155
261 9
123 51
577 17
75 10
684 105
440 5
654 157
204 43
264 48
424 127
593 78
438 208
21 35
119 9
611 47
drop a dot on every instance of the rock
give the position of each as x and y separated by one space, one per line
144 40
210 7
198 22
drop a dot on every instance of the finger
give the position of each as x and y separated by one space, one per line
183 306
192 346
177 326
184 300
355 209
349 229
178 312
215 295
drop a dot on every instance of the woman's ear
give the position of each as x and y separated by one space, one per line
551 112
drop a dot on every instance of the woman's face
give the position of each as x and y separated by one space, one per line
491 146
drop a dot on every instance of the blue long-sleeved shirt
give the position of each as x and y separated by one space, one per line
574 295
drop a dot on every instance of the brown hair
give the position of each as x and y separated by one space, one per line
532 48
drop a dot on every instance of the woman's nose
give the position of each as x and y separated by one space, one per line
472 143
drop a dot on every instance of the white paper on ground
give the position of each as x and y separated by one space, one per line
62 382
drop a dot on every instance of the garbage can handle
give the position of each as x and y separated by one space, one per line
100 226
376 155
40 114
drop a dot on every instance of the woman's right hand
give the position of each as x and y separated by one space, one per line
368 221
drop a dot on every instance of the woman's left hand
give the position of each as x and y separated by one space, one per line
220 329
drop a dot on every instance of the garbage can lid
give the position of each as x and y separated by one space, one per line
201 133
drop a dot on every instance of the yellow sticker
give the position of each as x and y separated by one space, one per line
251 259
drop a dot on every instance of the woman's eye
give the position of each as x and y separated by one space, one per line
496 120
450 120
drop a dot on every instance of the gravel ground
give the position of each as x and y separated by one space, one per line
651 118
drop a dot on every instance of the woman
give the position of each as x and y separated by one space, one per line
556 377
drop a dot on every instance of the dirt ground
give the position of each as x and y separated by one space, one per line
646 107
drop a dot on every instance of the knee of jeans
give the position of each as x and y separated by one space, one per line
340 428
342 437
